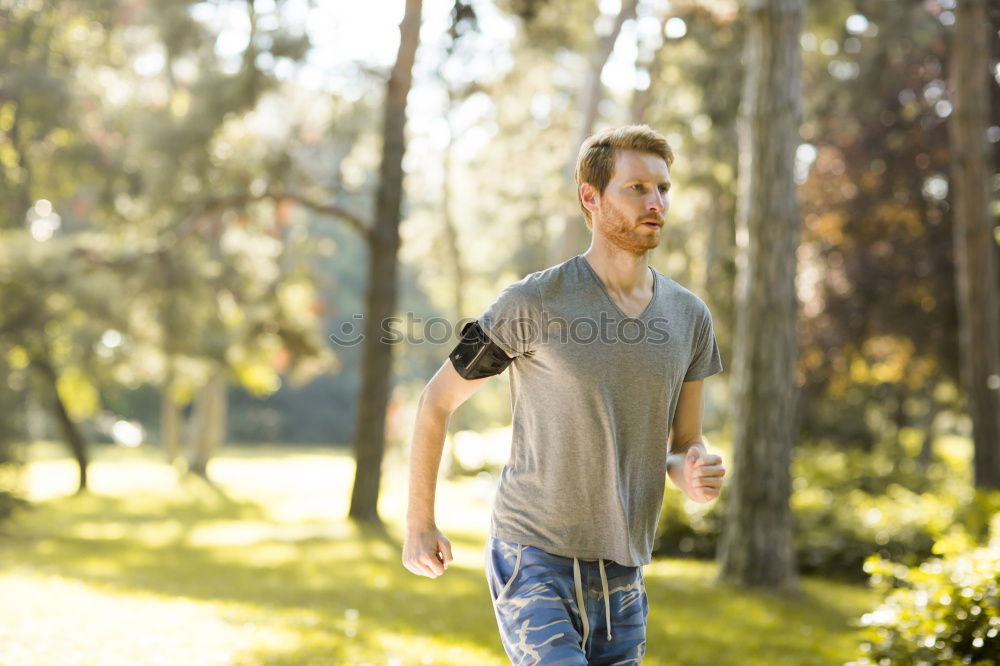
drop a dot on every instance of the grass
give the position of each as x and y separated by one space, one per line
262 569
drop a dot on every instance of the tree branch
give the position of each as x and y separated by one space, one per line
190 224
333 210
214 204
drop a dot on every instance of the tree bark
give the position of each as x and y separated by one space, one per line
975 247
643 99
169 417
380 299
756 548
574 235
208 423
67 426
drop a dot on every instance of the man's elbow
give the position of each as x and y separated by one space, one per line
431 403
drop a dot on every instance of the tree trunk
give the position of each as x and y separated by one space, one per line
454 253
452 243
9 402
926 456
574 235
643 99
209 421
67 426
380 299
756 548
975 247
899 422
169 417
194 428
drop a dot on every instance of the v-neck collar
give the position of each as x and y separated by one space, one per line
600 285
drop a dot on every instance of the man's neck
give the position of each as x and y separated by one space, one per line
622 272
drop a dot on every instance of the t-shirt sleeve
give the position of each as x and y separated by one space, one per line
706 359
513 320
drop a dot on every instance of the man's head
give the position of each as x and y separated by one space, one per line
623 179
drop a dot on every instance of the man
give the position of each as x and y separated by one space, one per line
607 360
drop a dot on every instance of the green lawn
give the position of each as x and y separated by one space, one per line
155 568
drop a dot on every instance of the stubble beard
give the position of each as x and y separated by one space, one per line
625 234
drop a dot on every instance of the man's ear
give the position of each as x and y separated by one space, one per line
589 196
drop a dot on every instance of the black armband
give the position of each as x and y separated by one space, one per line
477 356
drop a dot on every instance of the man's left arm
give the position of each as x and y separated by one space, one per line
689 464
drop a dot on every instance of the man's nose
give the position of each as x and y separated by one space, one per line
657 202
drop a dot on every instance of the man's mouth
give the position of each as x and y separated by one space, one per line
652 224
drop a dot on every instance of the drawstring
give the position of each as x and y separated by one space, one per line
607 598
579 599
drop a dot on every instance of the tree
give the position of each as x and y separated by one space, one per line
59 302
136 185
650 61
975 247
756 548
574 239
9 433
878 336
380 298
695 82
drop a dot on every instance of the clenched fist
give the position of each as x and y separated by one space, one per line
426 552
703 474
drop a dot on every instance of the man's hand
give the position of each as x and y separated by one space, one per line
703 474
426 552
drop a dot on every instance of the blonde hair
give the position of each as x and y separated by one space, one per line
596 160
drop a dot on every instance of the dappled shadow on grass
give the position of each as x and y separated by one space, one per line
339 594
195 500
697 621
341 588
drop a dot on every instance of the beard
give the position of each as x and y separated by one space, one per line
625 234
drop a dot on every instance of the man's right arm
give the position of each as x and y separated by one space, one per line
426 551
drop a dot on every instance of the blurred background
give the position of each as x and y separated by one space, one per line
197 195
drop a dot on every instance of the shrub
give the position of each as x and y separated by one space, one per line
847 506
687 529
946 611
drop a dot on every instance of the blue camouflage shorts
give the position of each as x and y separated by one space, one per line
537 599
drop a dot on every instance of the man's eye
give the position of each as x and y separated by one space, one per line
664 189
638 188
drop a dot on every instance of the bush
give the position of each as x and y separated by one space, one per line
687 529
847 506
837 531
946 611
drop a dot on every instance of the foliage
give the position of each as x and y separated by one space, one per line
946 611
879 334
139 248
143 120
847 505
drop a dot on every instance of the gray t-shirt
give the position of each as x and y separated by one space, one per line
593 394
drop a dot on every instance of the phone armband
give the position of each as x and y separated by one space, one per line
477 356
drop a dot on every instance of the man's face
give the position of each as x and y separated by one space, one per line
633 207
